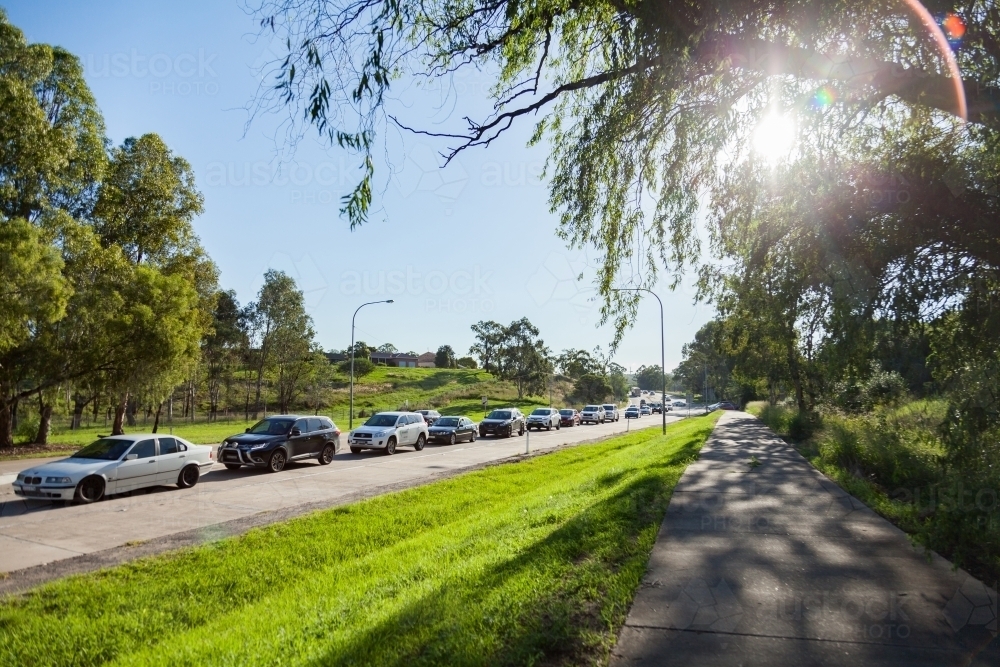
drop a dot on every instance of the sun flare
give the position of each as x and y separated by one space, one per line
774 136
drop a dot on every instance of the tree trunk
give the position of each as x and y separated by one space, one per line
130 412
116 426
156 419
44 423
6 427
77 421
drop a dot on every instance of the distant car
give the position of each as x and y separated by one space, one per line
430 416
679 403
611 412
569 417
725 405
642 402
543 418
644 410
274 441
452 430
592 414
116 464
631 412
389 430
502 423
656 407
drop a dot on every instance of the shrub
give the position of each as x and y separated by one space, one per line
362 367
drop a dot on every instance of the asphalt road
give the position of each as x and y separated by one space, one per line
37 532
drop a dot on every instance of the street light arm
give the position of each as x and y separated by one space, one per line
663 349
350 415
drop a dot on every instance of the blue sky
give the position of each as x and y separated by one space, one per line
473 241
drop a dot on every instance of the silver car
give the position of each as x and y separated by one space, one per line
117 464
388 430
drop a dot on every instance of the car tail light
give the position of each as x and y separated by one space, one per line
336 431
211 454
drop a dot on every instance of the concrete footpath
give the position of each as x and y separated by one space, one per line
776 565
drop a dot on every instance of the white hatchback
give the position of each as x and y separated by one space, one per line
388 430
117 464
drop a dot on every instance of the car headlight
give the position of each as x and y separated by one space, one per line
260 446
58 480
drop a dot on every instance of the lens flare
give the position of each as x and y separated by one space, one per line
823 98
954 28
937 34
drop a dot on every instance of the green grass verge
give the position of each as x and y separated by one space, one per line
529 563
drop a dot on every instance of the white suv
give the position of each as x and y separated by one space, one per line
611 412
592 414
388 430
544 418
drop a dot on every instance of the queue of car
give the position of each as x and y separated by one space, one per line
122 463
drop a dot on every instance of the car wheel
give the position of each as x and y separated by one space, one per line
188 477
89 490
452 440
472 437
326 456
277 461
421 441
233 466
510 432
549 427
390 447
355 450
558 425
482 434
521 430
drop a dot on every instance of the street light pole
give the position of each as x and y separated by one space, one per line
663 350
350 419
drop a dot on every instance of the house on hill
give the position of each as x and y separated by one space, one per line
426 360
398 359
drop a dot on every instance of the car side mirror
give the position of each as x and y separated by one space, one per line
131 457
247 430
296 431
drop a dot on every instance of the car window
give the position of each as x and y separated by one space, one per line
326 422
271 427
315 424
105 449
181 447
381 420
450 421
500 414
417 419
302 425
144 449
168 446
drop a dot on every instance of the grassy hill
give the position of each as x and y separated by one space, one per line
450 391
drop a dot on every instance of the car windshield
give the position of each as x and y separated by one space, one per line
592 408
541 411
568 413
105 449
381 420
272 427
609 407
499 414
447 421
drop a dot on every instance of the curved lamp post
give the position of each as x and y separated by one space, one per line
351 415
663 351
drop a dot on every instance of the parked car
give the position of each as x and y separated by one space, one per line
452 430
569 417
644 410
389 430
611 412
546 418
116 464
505 422
430 416
592 414
725 405
274 441
632 412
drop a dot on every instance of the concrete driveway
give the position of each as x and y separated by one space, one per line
37 532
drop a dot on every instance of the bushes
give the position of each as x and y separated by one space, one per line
895 461
362 367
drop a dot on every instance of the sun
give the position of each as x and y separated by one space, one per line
774 137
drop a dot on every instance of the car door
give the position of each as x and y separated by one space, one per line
169 460
317 437
300 443
140 471
417 424
403 430
464 430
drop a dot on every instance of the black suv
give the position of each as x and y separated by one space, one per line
505 422
274 441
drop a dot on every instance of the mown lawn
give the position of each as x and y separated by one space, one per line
527 563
